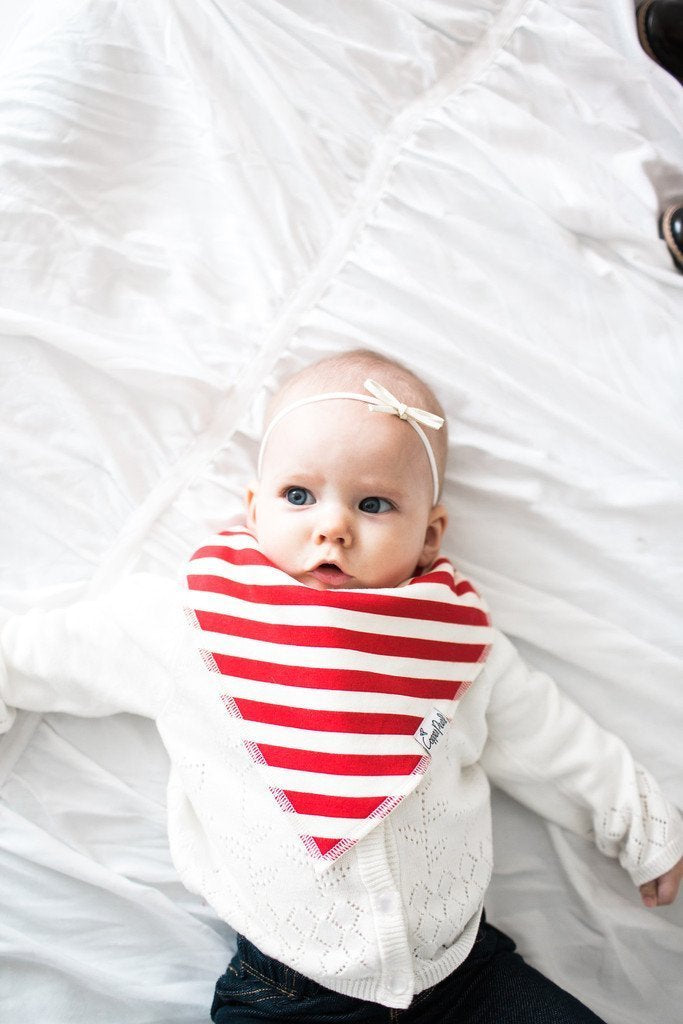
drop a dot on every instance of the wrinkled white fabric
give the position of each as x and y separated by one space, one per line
198 198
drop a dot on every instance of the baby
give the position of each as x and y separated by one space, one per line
332 697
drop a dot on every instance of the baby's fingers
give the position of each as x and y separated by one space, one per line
667 888
663 890
648 893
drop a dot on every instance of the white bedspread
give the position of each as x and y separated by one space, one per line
196 198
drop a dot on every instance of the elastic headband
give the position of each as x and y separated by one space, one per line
379 400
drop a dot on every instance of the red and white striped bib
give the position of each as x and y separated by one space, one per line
340 695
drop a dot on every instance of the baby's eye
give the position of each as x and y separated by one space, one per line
299 496
375 505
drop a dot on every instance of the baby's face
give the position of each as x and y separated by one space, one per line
345 498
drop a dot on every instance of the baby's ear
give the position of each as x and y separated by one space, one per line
250 500
436 527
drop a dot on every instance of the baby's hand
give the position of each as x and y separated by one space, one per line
663 890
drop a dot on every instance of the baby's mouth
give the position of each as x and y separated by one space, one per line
330 575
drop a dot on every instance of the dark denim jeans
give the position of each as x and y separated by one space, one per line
493 986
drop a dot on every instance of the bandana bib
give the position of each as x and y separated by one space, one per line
341 697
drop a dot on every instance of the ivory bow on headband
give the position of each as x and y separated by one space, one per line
400 409
379 400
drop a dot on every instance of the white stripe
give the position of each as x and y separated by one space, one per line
315 615
442 593
330 828
326 742
333 700
335 785
256 575
334 658
233 541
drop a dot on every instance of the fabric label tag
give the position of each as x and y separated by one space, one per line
431 729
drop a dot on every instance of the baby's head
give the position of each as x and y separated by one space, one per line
347 495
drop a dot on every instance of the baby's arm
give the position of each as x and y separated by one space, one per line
551 755
95 657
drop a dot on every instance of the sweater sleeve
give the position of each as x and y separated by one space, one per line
552 756
95 657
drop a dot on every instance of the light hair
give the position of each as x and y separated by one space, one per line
346 371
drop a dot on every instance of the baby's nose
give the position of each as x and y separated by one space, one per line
333 525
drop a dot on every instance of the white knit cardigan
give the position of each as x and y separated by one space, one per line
398 911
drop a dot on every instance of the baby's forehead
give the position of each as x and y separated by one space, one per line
332 415
347 439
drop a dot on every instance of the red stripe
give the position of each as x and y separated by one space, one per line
349 600
445 578
333 806
339 638
327 721
339 764
438 564
325 845
345 680
235 556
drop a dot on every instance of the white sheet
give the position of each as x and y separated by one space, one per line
199 197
